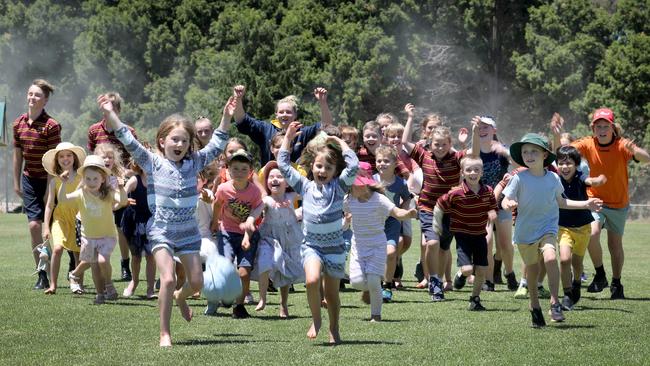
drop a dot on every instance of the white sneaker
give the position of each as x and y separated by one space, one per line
249 300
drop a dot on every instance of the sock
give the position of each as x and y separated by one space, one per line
523 282
616 281
600 271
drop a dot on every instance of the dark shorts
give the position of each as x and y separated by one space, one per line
33 193
393 229
471 250
426 226
117 217
229 246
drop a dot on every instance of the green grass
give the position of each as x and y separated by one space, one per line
67 329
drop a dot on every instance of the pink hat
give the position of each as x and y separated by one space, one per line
603 113
364 175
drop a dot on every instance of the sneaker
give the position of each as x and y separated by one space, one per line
42 282
542 293
522 292
99 299
617 291
488 286
538 318
511 279
475 304
386 295
435 290
497 272
556 313
567 303
576 287
598 284
419 274
583 277
239 312
249 299
459 281
211 309
126 271
110 293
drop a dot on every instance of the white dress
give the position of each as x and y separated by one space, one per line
280 239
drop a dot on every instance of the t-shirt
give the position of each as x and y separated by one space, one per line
397 191
97 134
495 166
610 160
368 219
35 139
468 210
537 209
439 175
576 190
236 205
96 214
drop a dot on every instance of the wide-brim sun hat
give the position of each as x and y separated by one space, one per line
94 161
535 139
49 158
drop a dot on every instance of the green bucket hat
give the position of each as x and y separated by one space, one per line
535 139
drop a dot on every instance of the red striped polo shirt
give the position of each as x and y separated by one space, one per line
366 156
468 210
97 134
34 140
439 175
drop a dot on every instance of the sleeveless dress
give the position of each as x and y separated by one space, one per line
134 221
63 218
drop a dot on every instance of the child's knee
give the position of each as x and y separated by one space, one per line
466 270
196 283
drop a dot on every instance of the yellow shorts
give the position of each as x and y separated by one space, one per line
531 253
577 238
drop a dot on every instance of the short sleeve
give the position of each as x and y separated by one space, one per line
386 205
512 188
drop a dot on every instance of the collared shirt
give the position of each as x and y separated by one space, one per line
97 134
366 156
468 210
439 175
35 140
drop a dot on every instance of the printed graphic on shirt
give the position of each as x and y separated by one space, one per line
240 209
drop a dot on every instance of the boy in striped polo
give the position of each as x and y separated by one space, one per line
35 132
469 206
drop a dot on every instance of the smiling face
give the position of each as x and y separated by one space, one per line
393 139
176 144
275 182
603 131
322 170
371 139
93 179
204 130
440 146
65 159
486 132
472 171
109 159
385 163
533 156
239 171
567 168
36 98
285 113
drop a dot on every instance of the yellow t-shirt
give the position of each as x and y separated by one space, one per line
63 217
96 215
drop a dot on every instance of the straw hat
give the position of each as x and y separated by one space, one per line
96 161
49 158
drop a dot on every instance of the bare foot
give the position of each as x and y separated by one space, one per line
165 340
186 312
284 312
448 286
50 291
130 289
335 338
422 284
312 333
260 306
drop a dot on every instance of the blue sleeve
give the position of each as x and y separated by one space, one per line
350 172
215 146
404 192
260 132
140 154
291 175
511 189
307 133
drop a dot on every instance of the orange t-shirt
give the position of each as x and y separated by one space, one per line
610 160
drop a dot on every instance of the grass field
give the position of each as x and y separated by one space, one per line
67 329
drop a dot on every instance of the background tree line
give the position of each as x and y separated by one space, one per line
519 60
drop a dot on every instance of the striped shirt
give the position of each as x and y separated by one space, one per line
35 140
97 134
171 189
364 155
439 175
468 210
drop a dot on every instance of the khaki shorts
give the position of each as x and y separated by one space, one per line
91 248
531 253
577 238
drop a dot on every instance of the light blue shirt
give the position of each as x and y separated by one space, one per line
537 209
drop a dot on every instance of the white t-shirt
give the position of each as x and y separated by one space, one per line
368 219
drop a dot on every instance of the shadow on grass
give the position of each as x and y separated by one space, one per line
150 304
564 326
357 343
621 300
589 308
277 317
209 342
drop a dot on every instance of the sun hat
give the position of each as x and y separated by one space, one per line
364 175
97 162
241 155
488 120
49 158
535 139
603 113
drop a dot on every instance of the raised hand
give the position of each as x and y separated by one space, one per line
105 105
463 136
409 108
238 91
557 124
320 94
229 108
292 130
629 145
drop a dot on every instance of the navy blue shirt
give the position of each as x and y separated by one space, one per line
575 190
495 166
261 133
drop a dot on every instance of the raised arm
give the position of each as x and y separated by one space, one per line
120 198
475 150
640 155
112 119
557 126
408 129
292 176
325 113
351 162
238 92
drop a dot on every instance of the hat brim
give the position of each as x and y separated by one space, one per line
49 158
363 181
515 153
81 170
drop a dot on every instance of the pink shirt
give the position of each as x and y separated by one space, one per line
236 205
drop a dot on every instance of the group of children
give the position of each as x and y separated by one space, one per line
319 198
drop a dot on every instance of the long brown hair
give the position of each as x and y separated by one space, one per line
171 122
105 189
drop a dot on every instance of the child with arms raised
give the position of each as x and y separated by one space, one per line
172 196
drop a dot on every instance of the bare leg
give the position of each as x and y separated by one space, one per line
550 262
263 286
123 243
479 279
245 277
312 284
391 262
135 276
504 244
284 299
489 275
424 263
333 307
98 278
565 266
151 276
192 264
55 266
615 244
532 271
36 233
595 250
165 264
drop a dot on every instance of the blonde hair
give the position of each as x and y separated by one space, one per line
441 131
372 125
292 100
171 122
389 116
469 160
394 128
349 130
104 148
387 151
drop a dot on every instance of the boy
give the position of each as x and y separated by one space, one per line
350 135
239 203
470 206
35 132
538 194
575 225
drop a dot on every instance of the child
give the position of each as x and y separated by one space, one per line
350 135
66 157
370 208
575 226
239 203
172 173
371 136
204 130
398 193
470 206
608 153
204 218
323 249
134 227
537 194
96 201
281 232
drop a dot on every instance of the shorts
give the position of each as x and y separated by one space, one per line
332 259
471 250
577 238
117 217
426 226
392 229
33 193
503 215
229 246
612 219
91 248
531 253
407 228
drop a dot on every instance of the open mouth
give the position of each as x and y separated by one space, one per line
178 152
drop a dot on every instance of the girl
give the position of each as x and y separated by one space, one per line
370 208
66 157
112 156
172 196
96 201
134 226
281 233
333 168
